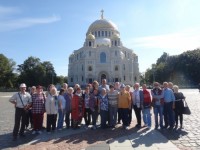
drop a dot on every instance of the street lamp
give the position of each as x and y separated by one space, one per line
153 70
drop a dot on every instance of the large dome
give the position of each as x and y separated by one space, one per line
102 24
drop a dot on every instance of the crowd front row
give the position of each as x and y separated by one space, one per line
114 104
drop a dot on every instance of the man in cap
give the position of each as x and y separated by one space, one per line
22 101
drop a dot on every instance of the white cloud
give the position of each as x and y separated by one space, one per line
26 22
8 22
180 41
8 10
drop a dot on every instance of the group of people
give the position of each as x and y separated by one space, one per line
114 104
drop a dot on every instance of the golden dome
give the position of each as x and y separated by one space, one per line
115 36
102 24
90 36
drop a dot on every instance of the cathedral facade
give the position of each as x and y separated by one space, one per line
103 56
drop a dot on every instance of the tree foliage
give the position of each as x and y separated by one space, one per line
35 72
180 69
7 77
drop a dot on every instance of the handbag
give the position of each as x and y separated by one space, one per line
186 109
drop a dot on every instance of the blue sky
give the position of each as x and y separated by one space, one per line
52 29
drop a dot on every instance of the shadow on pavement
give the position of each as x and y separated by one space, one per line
6 140
174 134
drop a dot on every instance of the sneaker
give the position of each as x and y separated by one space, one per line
40 132
149 127
34 132
126 128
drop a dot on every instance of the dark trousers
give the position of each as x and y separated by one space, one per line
37 121
119 115
180 115
29 118
125 114
104 118
51 122
87 116
129 116
137 114
168 114
94 117
67 119
20 118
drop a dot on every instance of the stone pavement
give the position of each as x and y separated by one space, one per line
187 138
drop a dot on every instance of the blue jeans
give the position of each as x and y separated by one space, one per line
60 119
146 116
112 115
158 110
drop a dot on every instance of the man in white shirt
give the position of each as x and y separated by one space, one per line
22 101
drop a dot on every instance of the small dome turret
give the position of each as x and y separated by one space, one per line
115 36
90 36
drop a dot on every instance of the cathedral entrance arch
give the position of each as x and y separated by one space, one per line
103 75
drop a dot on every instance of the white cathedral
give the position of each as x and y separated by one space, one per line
103 56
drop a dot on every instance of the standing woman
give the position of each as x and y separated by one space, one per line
51 106
68 98
124 104
179 105
103 99
77 108
113 106
94 107
61 108
87 112
38 108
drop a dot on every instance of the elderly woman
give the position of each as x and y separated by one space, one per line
38 109
51 106
103 99
94 107
68 97
77 108
61 108
124 104
179 105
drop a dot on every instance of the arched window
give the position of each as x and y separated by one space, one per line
116 68
90 68
90 53
103 57
90 44
124 67
115 43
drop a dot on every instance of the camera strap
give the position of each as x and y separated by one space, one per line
21 100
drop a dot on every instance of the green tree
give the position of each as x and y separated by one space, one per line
35 72
7 77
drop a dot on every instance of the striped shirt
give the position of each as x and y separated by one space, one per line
113 98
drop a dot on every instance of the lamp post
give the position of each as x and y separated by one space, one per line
52 74
153 70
